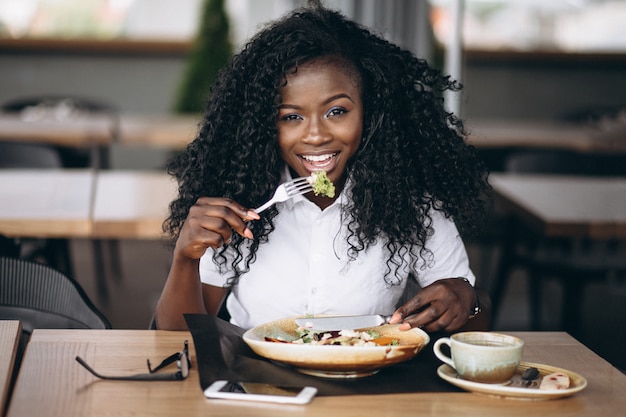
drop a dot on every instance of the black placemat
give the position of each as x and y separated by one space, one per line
221 353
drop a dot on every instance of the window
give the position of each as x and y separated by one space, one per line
99 19
566 26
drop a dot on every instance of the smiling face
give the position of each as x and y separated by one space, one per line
320 121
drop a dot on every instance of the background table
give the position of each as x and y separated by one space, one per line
46 203
558 205
75 132
51 383
568 227
131 204
168 131
75 203
10 331
503 134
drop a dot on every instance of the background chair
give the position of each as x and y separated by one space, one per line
28 155
565 162
44 298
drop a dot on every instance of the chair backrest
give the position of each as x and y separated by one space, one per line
547 162
43 298
565 162
28 155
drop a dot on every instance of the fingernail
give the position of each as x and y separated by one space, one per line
248 233
395 318
253 214
404 326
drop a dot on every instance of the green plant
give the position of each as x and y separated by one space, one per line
211 50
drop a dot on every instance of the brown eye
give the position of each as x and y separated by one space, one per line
336 111
290 117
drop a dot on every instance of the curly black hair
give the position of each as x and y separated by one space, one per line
413 158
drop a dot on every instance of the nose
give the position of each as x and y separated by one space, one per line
317 132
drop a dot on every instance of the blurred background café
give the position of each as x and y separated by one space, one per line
96 95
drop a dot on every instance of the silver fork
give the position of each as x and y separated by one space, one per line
287 190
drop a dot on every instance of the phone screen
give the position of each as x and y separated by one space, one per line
260 389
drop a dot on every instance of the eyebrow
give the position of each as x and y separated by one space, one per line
327 101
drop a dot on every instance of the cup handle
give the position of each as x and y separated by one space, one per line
437 349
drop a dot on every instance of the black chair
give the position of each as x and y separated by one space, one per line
565 162
41 297
15 155
574 262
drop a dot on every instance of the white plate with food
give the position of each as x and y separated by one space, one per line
351 355
550 383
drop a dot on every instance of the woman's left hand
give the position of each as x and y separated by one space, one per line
444 305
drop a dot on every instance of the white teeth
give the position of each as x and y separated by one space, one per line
318 158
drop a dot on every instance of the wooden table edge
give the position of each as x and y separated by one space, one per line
14 330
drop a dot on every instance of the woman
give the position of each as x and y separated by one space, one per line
315 91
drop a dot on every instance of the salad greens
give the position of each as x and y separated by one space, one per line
321 184
343 338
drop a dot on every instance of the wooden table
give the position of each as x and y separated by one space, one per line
504 134
168 131
77 132
131 204
566 206
46 203
10 331
51 383
76 203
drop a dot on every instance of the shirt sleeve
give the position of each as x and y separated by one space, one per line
209 272
449 256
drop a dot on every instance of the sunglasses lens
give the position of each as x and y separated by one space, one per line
183 366
184 363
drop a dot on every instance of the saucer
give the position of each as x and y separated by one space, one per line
515 388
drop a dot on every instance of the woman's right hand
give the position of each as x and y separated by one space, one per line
210 223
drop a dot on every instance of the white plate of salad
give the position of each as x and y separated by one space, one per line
343 353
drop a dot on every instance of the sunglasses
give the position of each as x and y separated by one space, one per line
181 358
